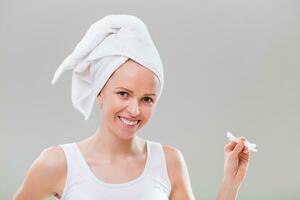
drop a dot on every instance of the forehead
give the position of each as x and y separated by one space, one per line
132 75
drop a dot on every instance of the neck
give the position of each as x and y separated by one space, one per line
105 141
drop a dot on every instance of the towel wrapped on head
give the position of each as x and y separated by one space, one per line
108 44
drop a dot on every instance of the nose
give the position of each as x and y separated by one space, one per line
133 107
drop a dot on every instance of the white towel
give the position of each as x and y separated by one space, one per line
108 44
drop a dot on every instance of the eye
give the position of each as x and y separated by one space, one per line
148 100
123 94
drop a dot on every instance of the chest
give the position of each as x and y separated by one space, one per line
116 171
148 188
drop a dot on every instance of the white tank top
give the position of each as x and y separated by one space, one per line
82 184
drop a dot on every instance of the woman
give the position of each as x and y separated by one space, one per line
117 64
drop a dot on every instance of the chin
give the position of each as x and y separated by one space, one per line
125 134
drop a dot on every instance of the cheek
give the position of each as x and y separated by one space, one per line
118 104
146 115
115 105
147 112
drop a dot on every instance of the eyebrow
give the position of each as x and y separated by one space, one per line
151 94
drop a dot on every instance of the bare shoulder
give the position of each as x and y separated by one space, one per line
174 159
45 175
178 173
51 158
52 161
173 155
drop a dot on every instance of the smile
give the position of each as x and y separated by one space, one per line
129 122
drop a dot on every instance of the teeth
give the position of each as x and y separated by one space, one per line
128 122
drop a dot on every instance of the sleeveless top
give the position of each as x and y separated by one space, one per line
82 183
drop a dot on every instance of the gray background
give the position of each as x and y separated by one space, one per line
229 66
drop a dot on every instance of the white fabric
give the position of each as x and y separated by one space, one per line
250 146
107 44
82 184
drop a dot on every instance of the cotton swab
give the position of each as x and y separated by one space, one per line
250 146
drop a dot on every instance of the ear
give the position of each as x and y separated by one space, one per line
99 98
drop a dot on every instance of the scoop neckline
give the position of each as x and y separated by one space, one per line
98 180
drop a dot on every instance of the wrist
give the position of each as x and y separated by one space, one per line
227 191
230 184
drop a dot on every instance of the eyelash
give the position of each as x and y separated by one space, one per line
127 93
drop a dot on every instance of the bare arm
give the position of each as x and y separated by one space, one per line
236 163
235 169
178 173
227 191
42 178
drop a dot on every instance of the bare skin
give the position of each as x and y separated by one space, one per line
116 154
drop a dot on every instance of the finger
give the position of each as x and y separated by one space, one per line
229 146
244 156
240 146
243 167
246 150
244 162
242 137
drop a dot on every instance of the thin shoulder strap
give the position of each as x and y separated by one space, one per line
70 154
158 164
76 167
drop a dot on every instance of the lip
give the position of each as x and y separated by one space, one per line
129 118
127 125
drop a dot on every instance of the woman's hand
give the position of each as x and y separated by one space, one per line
236 163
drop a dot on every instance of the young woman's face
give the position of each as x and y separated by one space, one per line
128 99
